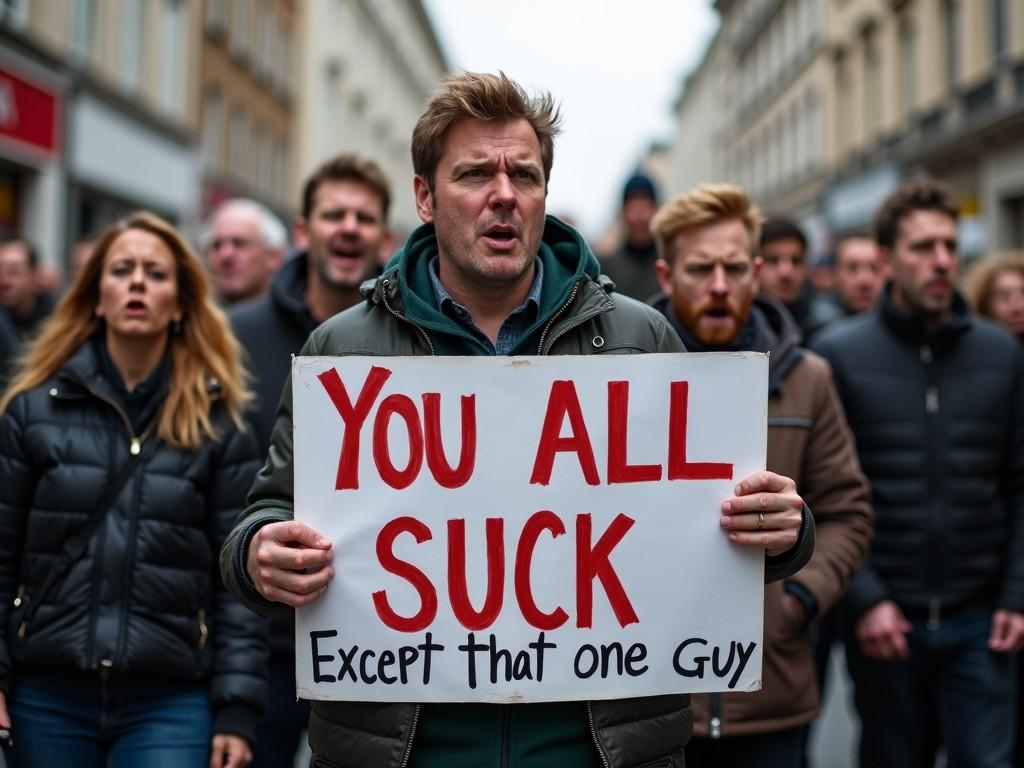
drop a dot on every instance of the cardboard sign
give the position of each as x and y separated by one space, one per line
528 529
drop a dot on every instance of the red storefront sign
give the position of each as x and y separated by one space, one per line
28 114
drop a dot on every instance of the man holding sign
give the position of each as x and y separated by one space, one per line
709 270
487 274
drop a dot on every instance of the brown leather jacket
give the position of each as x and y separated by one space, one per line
809 441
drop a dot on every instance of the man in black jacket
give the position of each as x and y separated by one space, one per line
935 398
8 346
340 234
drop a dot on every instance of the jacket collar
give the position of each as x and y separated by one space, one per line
911 327
570 275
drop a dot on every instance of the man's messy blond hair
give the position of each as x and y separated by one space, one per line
704 204
476 96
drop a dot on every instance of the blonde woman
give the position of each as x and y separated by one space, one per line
995 287
123 464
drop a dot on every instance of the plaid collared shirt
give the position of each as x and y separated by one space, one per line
521 318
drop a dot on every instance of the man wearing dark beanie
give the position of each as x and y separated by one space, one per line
631 266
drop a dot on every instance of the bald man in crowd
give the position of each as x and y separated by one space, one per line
244 243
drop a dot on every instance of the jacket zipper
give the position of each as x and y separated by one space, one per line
18 598
506 736
134 448
715 723
551 320
575 324
129 571
593 734
384 295
936 520
204 632
412 732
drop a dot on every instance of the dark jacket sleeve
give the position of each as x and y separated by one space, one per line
793 559
238 685
271 500
1012 596
17 483
838 493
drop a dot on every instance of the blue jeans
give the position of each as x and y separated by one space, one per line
83 720
951 688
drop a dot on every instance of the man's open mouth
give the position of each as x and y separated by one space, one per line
502 232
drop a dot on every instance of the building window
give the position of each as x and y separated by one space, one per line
238 141
83 27
951 31
844 106
872 85
215 17
173 58
816 125
212 147
908 66
239 29
133 33
998 28
794 138
14 13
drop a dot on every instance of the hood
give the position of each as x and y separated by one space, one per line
288 290
565 254
769 329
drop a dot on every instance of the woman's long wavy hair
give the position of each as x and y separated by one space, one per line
204 348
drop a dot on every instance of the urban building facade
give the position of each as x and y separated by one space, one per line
822 107
96 116
247 91
366 70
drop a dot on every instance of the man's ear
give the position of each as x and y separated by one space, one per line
299 233
424 199
758 263
663 271
275 258
386 249
885 259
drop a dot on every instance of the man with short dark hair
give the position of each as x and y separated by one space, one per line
783 249
244 243
708 270
935 398
858 274
487 274
19 292
631 267
341 231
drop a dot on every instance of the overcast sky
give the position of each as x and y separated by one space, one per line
615 66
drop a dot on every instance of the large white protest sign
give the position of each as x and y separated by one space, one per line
528 529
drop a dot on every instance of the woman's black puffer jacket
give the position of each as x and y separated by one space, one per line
146 598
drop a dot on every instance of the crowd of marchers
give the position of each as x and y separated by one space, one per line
150 565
